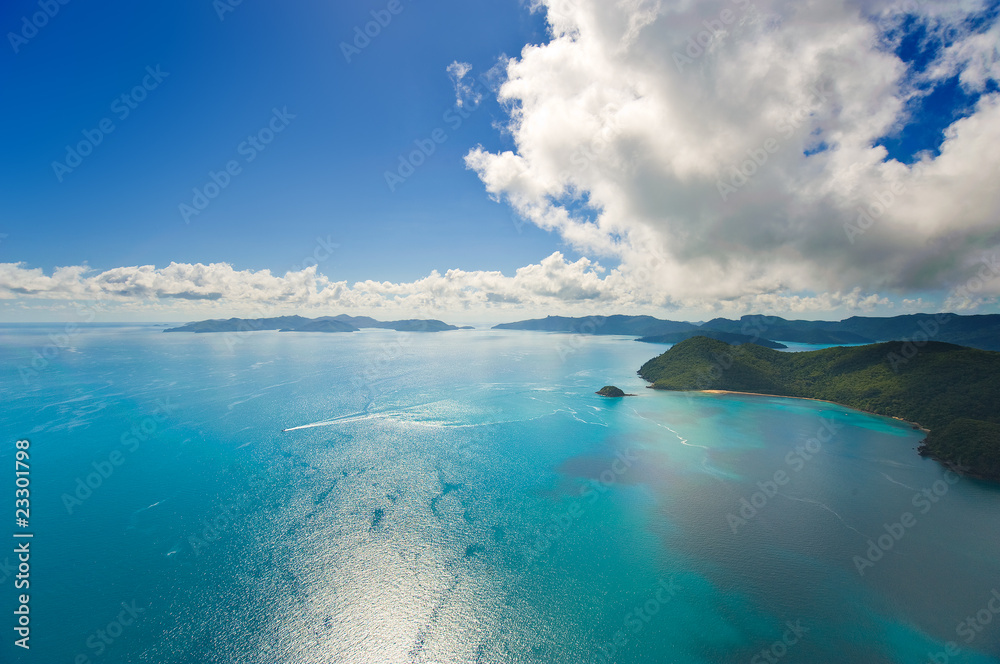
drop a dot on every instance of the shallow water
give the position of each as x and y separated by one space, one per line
465 497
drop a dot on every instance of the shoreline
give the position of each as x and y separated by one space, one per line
915 425
922 450
921 447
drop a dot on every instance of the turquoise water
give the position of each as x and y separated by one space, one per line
465 497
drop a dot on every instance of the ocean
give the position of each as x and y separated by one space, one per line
464 497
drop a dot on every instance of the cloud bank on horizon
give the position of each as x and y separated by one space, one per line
726 156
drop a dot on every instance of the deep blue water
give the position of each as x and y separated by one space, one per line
465 497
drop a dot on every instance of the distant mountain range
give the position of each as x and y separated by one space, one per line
731 338
341 323
981 331
637 326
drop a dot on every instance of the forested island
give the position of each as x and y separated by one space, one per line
952 391
978 331
732 338
341 323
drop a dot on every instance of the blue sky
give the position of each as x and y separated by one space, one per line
626 169
940 102
322 177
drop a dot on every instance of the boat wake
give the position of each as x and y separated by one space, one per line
343 419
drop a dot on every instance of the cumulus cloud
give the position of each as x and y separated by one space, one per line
731 148
555 282
724 156
555 285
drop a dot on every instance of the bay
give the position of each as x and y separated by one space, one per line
466 497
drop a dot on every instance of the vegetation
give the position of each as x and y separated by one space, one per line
637 326
981 331
242 325
729 337
322 325
341 323
951 390
611 391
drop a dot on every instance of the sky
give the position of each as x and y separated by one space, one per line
494 161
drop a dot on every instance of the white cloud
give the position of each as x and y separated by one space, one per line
555 282
553 286
645 111
466 93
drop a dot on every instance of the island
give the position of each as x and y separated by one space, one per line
613 392
329 324
318 325
951 391
978 331
731 338
636 326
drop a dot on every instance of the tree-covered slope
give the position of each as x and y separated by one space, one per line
979 331
341 323
242 325
952 390
796 331
322 325
624 325
729 337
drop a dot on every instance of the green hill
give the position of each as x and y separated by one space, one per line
322 325
617 325
952 390
341 323
729 337
978 331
